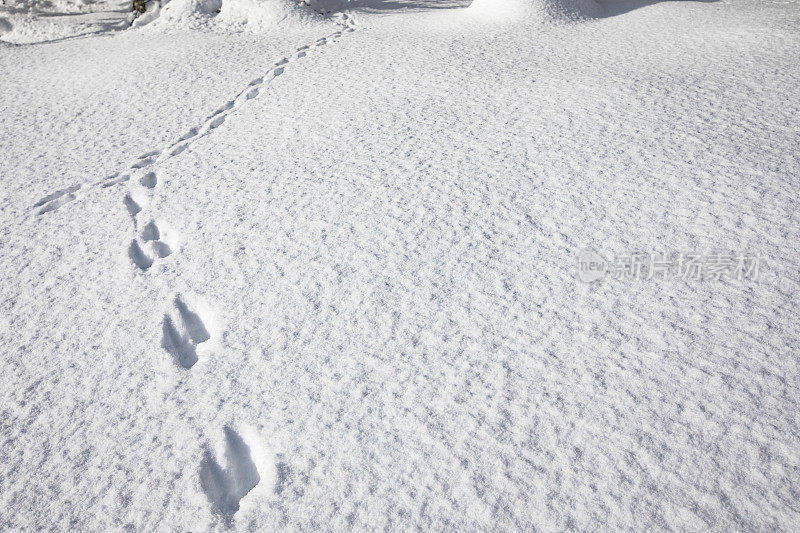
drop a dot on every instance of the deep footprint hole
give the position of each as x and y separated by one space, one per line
149 180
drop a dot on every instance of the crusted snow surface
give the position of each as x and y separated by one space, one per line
325 277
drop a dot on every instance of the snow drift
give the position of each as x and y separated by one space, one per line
255 16
536 9
51 6
31 21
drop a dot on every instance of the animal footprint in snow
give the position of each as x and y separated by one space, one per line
149 180
184 330
188 135
248 466
53 201
133 204
159 238
145 160
177 150
114 179
138 256
158 241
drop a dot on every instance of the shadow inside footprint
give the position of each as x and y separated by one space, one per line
139 258
194 324
225 488
182 333
176 344
55 195
131 205
55 204
161 249
150 232
149 180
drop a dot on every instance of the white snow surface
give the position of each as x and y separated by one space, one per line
323 276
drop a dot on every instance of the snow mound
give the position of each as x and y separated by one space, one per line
23 29
552 10
256 16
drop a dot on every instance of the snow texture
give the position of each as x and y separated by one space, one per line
323 277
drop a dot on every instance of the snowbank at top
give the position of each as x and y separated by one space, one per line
255 16
32 21
18 7
536 9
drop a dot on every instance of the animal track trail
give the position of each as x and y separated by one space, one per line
246 465
180 333
53 201
143 162
183 331
155 240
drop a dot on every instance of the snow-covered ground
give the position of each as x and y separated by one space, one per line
269 269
